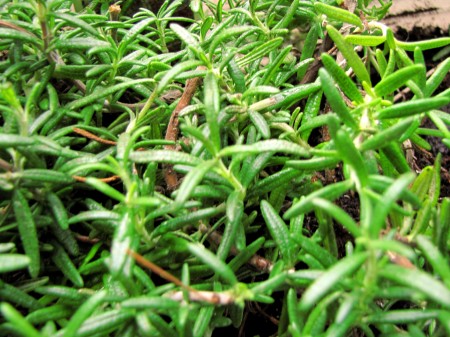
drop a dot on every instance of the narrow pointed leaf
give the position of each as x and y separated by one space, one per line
27 230
413 107
350 55
418 280
331 278
395 80
271 145
279 232
12 262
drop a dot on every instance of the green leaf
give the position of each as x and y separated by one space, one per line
365 40
419 280
329 192
260 123
337 103
192 218
192 179
350 55
82 43
212 107
199 135
65 264
287 19
53 313
185 36
12 34
105 189
286 98
387 201
46 176
27 230
436 78
260 90
395 80
274 66
120 261
402 316
83 312
12 262
75 21
149 302
234 213
102 93
314 164
424 44
383 137
322 255
131 34
19 297
331 278
227 33
58 209
338 14
237 76
351 156
271 145
282 178
247 253
211 260
164 156
279 232
174 72
12 141
94 215
345 83
339 215
413 107
435 258
18 321
260 51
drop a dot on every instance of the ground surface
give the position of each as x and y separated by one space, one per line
420 14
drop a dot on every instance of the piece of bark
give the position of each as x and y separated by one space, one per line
426 15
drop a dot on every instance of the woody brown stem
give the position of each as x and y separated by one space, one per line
172 131
91 136
105 180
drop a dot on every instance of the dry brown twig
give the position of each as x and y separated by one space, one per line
105 180
91 136
194 294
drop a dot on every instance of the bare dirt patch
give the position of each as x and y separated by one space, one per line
427 15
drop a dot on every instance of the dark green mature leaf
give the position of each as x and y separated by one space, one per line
18 321
395 80
337 103
257 131
213 262
279 232
350 55
329 192
331 278
272 145
419 280
413 107
27 230
16 35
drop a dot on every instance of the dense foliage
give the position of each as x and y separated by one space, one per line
160 174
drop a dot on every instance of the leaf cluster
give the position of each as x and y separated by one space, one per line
299 115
